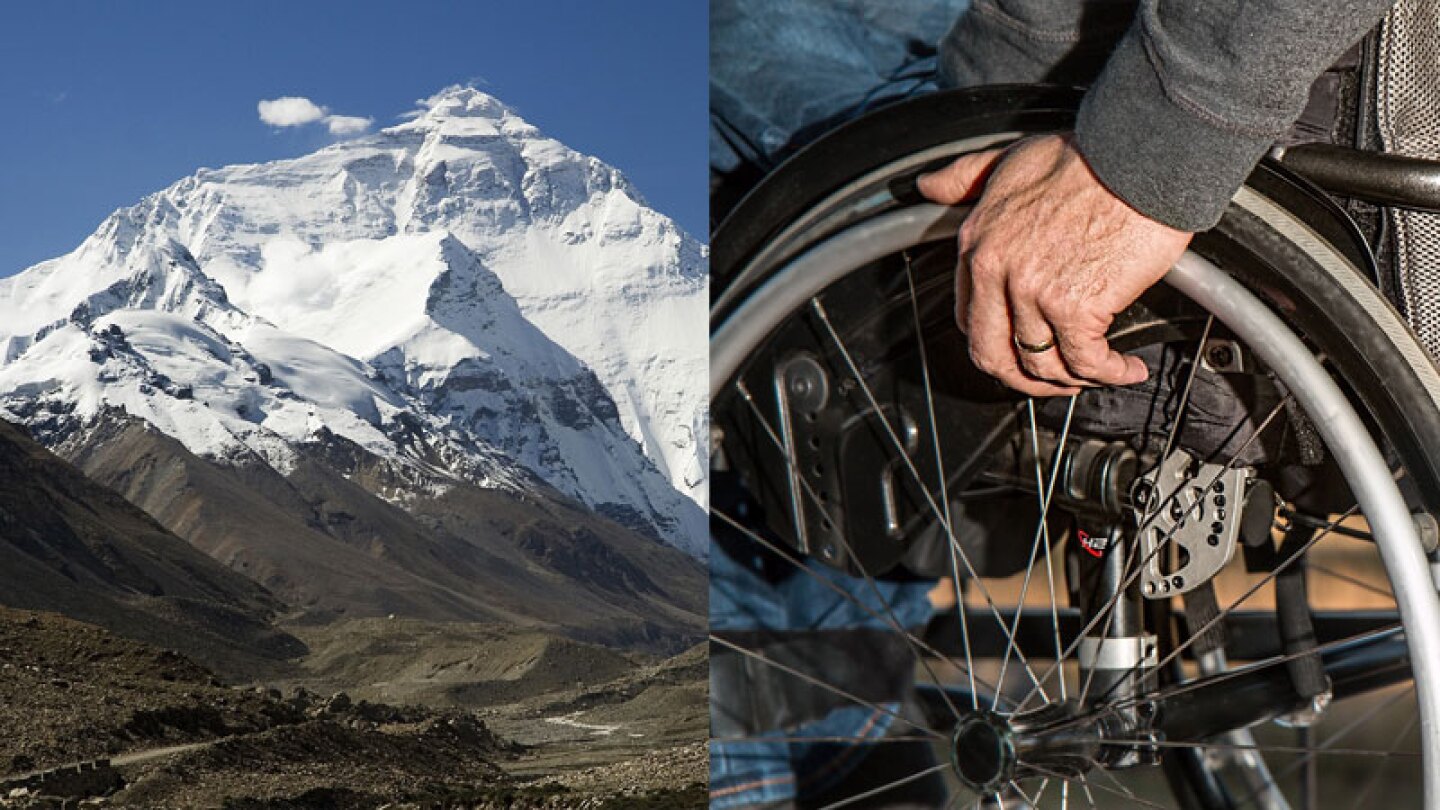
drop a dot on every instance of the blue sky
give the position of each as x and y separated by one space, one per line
104 102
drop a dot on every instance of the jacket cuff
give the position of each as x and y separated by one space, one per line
1167 157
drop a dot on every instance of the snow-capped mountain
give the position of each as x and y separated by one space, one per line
459 295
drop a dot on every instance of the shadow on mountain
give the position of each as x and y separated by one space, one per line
71 546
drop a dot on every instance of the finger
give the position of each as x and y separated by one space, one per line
991 346
961 180
1089 357
1030 326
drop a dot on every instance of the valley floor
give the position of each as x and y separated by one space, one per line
149 729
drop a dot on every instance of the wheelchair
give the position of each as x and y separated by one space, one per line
1216 589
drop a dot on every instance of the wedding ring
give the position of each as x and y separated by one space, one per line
1034 348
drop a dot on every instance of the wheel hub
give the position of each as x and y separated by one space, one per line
983 752
989 749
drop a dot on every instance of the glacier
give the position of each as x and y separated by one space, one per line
458 294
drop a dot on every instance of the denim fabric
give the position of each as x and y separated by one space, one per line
784 71
749 594
751 591
751 774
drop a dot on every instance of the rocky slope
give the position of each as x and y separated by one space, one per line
322 540
71 546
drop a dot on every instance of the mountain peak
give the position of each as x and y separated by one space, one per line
462 101
459 276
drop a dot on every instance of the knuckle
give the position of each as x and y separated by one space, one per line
978 358
1054 307
1028 286
986 264
968 234
989 362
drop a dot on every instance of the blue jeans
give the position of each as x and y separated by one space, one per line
784 71
759 592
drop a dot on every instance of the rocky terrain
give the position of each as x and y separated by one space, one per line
173 736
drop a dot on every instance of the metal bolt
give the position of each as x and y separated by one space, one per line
1220 356
1141 494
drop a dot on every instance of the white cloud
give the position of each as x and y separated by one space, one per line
290 111
295 111
347 124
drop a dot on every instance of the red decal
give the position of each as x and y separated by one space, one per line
1094 545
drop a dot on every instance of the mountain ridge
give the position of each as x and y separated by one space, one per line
457 294
71 546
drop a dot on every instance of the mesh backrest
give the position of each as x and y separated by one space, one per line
1408 118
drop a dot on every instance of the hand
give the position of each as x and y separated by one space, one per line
1048 254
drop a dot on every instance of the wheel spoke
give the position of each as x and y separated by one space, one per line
1170 438
820 312
1335 737
1311 750
1040 794
1362 798
1126 793
1044 507
1210 680
1357 582
1015 786
1174 432
1164 542
1045 491
944 485
859 797
813 681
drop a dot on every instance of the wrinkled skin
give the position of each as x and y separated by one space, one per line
1048 253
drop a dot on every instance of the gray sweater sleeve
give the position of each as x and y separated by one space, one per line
1192 95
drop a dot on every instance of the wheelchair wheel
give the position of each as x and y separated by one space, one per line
1210 590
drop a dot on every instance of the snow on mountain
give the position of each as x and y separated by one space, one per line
458 293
